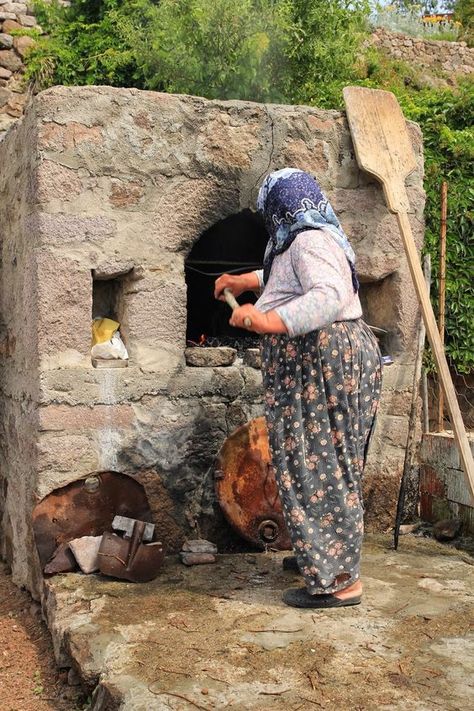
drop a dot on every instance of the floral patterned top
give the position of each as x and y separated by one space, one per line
310 284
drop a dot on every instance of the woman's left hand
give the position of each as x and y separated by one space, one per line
268 322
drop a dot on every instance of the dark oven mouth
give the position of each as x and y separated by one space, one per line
234 245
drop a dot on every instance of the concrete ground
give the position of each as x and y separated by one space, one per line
218 636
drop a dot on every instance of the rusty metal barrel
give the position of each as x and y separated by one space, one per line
246 487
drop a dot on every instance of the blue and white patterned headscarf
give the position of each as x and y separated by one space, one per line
291 202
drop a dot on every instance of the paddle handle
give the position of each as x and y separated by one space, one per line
437 349
234 304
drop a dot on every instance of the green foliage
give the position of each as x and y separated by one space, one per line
215 48
90 42
325 42
447 121
464 13
295 51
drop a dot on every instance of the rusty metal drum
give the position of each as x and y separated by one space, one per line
246 487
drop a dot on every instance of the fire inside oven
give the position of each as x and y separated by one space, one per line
234 245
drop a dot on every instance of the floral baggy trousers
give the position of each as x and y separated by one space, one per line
322 392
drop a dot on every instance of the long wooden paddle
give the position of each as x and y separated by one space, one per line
383 148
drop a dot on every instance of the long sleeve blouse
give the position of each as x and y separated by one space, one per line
310 284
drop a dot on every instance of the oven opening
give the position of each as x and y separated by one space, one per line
233 245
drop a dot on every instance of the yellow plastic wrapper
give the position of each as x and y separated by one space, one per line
103 329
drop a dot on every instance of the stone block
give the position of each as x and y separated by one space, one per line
16 7
252 358
75 419
197 558
16 104
210 357
23 44
4 97
375 267
57 182
6 41
63 456
9 60
10 24
86 552
5 16
126 193
6 122
155 310
229 144
253 387
314 157
27 20
392 430
59 229
5 73
69 136
64 305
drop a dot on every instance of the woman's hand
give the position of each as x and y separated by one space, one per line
268 322
237 283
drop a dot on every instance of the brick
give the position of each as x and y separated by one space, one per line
78 417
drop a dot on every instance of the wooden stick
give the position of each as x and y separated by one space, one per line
442 291
424 377
234 304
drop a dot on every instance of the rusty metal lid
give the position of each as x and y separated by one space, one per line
246 487
86 507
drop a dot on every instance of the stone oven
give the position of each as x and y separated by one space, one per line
111 199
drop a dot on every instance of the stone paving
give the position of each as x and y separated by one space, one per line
219 637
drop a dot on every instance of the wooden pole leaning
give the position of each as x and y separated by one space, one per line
383 148
442 290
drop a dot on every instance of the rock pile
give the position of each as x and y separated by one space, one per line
14 16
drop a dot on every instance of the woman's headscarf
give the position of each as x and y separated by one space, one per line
291 202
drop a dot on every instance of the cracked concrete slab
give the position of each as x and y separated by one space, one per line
218 637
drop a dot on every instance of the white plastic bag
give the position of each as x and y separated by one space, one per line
114 349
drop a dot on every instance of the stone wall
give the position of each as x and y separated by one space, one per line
101 182
450 57
14 16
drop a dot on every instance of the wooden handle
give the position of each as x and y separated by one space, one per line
234 304
437 350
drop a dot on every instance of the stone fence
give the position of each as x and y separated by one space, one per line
13 95
452 57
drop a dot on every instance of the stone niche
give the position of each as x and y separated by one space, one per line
104 196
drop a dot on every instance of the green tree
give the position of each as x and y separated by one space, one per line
216 48
324 47
464 13
90 42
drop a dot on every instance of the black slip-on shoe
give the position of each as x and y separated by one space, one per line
289 563
300 597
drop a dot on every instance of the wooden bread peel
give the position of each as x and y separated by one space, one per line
383 148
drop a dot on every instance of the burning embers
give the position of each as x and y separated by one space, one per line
240 343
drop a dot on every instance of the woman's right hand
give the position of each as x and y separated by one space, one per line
236 283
